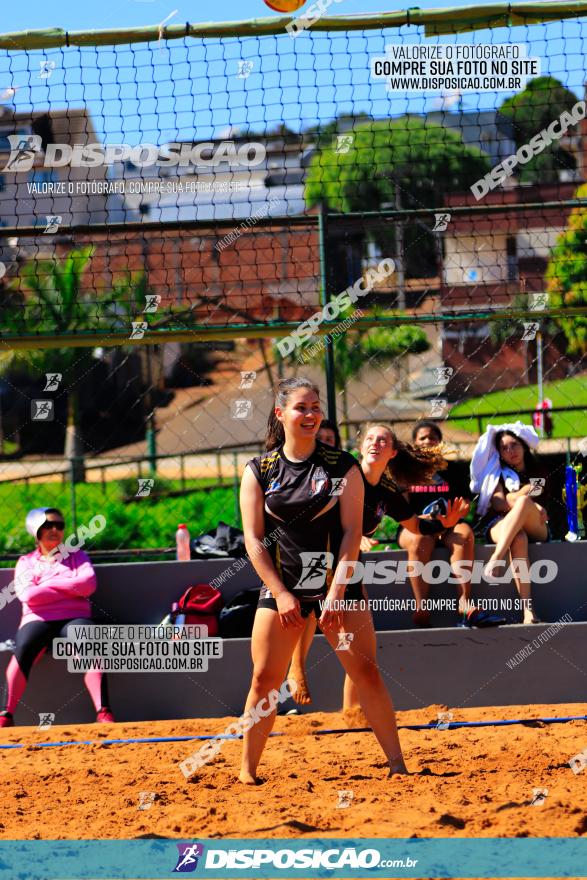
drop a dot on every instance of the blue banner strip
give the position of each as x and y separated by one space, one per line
316 857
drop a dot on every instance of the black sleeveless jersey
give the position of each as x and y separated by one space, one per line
381 500
302 499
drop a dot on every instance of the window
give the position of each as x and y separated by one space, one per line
512 258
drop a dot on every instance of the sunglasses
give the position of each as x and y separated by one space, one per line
54 524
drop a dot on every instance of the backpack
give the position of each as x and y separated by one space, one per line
219 543
199 604
236 618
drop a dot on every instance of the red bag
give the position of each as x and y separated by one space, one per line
199 604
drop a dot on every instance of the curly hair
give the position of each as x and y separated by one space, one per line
411 465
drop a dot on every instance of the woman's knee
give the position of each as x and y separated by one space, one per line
367 674
266 679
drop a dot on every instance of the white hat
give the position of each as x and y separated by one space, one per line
35 519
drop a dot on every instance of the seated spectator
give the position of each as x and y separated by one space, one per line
54 595
430 498
509 481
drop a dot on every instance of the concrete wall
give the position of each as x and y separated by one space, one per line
444 665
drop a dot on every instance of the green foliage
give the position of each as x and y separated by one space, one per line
567 276
530 111
424 160
148 522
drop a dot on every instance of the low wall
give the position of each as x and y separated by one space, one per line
443 665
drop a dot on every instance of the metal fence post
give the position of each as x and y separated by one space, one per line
324 299
72 498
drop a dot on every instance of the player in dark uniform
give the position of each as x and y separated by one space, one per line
386 464
460 540
314 495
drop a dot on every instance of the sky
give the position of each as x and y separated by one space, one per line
185 89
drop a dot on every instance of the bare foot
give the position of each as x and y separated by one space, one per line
399 768
247 778
298 686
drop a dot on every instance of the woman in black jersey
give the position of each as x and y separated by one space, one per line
311 497
386 463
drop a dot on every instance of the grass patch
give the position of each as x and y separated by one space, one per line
147 522
566 392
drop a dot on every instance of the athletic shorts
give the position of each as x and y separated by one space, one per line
354 592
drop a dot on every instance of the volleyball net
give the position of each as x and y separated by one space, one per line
393 203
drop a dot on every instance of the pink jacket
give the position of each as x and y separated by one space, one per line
54 590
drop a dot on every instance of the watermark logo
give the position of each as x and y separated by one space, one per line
23 152
537 302
438 407
332 310
42 410
578 762
531 328
146 799
444 720
138 329
247 378
539 795
252 716
47 68
145 486
313 14
241 409
345 799
338 486
582 446
315 567
528 151
538 484
152 301
245 68
443 374
53 223
187 860
46 719
441 222
344 641
344 143
52 381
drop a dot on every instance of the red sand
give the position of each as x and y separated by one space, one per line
481 784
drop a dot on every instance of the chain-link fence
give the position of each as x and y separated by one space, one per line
210 210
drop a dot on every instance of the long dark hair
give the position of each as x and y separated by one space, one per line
275 432
411 465
530 463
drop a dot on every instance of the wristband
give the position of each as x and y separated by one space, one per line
430 526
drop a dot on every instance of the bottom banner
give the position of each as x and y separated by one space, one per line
316 857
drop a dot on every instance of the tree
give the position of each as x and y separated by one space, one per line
566 276
354 349
406 162
53 302
532 110
425 161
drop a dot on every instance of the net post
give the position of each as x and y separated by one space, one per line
324 299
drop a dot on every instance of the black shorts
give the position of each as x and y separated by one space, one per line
354 592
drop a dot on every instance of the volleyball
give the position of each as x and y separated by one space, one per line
284 5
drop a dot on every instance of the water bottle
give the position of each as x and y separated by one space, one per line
182 543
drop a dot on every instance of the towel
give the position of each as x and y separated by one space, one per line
486 468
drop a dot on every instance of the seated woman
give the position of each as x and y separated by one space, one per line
54 596
509 481
459 539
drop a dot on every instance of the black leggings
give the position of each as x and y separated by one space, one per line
36 636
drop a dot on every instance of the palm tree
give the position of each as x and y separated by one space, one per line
57 307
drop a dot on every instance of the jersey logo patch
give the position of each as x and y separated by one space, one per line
274 486
320 483
381 510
